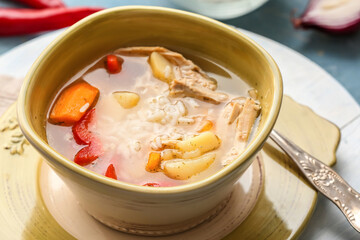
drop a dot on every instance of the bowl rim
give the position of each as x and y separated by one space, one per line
51 154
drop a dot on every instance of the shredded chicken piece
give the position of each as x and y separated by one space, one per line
189 79
234 153
232 111
240 100
250 110
185 68
253 93
139 51
247 119
188 88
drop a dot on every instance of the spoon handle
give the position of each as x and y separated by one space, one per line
324 179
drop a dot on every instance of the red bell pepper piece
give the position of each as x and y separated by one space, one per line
110 172
43 3
163 184
14 21
152 185
114 64
80 130
89 153
83 136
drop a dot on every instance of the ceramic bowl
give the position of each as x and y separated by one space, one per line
120 205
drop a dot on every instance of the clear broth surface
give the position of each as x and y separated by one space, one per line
120 130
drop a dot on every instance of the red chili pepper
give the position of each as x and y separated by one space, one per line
43 3
110 172
26 21
113 64
80 130
89 153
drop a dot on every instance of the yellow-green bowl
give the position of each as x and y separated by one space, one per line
124 206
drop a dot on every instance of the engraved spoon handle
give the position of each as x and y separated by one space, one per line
324 179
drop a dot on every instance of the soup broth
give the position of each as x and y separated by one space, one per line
144 133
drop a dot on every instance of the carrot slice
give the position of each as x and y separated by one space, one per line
154 161
110 172
73 103
207 125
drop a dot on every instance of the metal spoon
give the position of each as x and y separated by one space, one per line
324 179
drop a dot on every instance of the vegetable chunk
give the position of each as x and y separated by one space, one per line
110 172
183 169
161 68
159 184
207 125
126 99
154 161
89 153
113 64
80 130
205 142
73 103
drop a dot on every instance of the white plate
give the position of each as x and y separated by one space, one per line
304 81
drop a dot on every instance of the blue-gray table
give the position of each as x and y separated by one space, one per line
338 55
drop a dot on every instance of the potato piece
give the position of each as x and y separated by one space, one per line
183 169
205 142
168 154
127 99
192 154
161 67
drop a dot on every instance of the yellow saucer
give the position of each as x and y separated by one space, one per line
282 210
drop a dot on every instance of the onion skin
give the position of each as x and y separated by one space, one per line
330 22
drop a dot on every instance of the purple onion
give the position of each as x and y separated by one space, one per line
335 16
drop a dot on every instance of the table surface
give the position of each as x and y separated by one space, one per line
338 55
